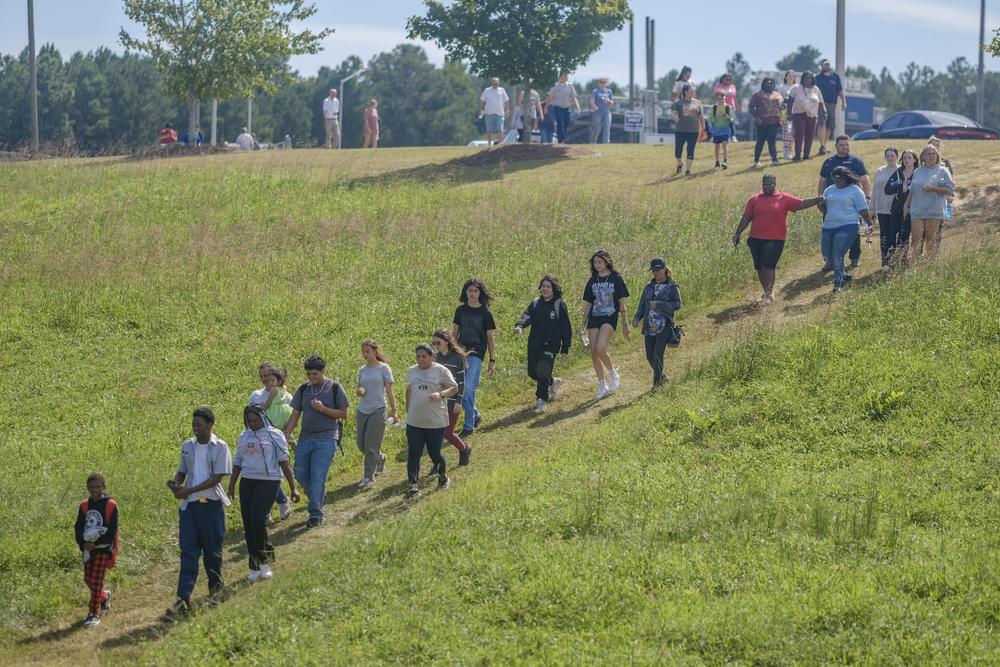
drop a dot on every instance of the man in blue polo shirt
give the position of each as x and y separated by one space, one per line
843 158
832 89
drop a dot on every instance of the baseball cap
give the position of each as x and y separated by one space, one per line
657 264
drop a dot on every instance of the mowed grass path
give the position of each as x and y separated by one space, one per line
143 290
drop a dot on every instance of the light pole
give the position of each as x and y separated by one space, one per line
981 74
841 11
33 66
343 105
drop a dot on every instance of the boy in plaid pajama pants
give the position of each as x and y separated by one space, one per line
97 536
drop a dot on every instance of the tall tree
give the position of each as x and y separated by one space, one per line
994 46
740 69
527 41
219 49
806 57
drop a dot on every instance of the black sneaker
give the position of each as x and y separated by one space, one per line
827 267
380 466
855 263
433 471
797 158
478 421
464 456
822 150
848 277
92 620
178 609
687 173
466 432
725 165
411 492
106 605
680 168
775 162
314 523
444 482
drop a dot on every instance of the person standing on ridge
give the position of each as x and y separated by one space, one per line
331 119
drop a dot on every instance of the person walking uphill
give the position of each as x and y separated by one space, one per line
561 97
97 536
331 119
261 459
605 296
322 405
374 390
452 356
473 329
204 461
429 385
767 214
765 107
661 298
690 123
551 334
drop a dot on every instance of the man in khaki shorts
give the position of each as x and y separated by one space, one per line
331 119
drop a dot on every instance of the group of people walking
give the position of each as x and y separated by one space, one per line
910 198
332 117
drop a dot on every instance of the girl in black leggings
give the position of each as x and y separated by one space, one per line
689 124
660 299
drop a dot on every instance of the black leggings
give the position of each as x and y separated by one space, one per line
416 439
256 498
655 347
680 138
541 361
768 133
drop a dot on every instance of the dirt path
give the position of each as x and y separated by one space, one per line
803 295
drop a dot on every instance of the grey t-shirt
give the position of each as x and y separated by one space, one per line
373 381
929 205
422 411
563 95
332 395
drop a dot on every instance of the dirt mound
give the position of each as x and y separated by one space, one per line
510 153
177 149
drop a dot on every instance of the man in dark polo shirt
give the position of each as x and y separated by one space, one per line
832 89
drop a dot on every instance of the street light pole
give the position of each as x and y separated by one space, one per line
33 66
981 74
343 105
841 11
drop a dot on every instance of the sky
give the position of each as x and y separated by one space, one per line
883 33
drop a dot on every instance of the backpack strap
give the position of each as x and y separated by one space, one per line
109 508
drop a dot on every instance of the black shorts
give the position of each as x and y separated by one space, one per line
765 252
597 321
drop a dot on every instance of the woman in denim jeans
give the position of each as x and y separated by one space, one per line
843 203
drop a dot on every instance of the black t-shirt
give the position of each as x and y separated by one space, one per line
603 294
473 323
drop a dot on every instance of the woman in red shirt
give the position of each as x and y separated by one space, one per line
767 214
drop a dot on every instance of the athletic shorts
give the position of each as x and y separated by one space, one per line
828 115
765 252
597 321
722 137
494 122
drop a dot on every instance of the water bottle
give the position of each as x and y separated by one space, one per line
947 212
389 421
585 339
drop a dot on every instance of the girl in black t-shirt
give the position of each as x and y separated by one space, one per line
605 296
473 329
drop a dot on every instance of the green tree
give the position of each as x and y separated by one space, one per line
740 69
55 96
806 57
528 41
993 47
219 49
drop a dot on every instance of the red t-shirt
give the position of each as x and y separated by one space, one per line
167 136
769 215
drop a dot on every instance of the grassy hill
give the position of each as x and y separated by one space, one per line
775 504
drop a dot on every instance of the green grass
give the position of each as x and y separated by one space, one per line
758 513
137 291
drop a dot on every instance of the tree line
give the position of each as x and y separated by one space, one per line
104 101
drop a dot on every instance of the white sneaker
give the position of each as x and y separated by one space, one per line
602 392
539 406
285 510
365 483
268 521
554 389
253 576
265 572
614 381
756 165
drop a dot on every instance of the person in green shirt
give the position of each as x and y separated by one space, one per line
722 129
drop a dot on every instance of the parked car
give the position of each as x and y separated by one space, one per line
924 124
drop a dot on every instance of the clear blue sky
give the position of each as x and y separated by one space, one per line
880 33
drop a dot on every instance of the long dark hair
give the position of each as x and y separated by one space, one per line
369 342
445 335
484 296
556 287
255 410
684 70
812 79
603 254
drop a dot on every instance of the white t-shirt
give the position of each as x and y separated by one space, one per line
331 107
259 397
495 100
680 84
201 472
245 142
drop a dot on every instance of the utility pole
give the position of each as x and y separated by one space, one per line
631 63
33 66
343 105
250 116
981 74
841 11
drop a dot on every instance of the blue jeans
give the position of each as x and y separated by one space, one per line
562 122
472 374
600 127
281 498
313 456
836 243
202 529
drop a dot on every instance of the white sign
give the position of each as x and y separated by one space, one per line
652 138
634 121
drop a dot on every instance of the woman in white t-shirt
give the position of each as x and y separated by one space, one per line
429 385
806 101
